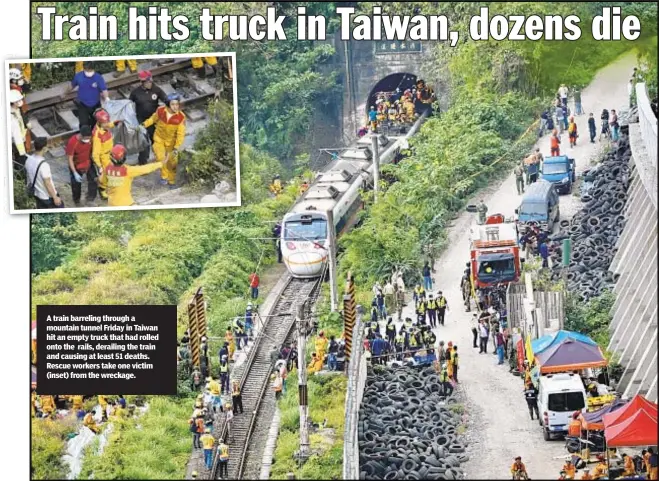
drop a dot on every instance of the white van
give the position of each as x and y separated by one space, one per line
559 396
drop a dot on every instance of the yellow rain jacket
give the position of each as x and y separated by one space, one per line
47 404
198 62
169 135
321 347
102 143
120 181
207 441
121 65
77 401
78 67
315 365
214 387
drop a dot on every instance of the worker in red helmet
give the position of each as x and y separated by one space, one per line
146 98
120 176
102 143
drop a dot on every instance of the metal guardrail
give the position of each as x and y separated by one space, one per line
355 390
648 125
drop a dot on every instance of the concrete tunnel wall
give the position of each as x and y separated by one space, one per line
634 325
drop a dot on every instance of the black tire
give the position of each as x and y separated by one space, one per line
545 434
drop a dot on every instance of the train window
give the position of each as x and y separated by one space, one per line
301 230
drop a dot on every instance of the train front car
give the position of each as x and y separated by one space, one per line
304 241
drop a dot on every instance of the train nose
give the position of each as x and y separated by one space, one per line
306 264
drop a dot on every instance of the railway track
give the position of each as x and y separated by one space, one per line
53 115
255 374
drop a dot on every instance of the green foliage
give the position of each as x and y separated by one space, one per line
155 445
591 318
326 401
53 238
214 157
48 443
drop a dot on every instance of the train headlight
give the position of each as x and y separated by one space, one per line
290 246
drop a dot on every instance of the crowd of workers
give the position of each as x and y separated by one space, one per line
92 153
399 107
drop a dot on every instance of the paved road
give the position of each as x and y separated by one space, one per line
497 410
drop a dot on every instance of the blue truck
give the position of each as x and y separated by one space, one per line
560 171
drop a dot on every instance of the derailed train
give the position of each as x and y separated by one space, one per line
305 233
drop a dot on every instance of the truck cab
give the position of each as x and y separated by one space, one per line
494 252
560 171
559 395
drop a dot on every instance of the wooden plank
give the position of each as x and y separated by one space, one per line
69 118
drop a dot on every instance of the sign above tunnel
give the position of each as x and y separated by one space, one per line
397 46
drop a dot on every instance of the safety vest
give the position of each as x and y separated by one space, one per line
408 325
432 338
431 305
236 326
391 327
454 358
443 376
420 291
400 339
441 302
214 386
421 308
207 441
224 368
224 452
412 341
374 326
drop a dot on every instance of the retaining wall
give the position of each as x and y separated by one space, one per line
354 394
634 325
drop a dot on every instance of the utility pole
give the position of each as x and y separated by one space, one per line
334 296
376 165
302 329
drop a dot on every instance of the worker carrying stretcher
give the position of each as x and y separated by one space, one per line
168 137
120 176
102 143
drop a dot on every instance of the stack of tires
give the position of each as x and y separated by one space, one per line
594 231
407 429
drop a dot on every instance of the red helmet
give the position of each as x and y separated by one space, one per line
102 117
145 75
118 154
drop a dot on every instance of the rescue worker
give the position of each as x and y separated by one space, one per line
223 452
531 396
168 136
17 82
278 384
465 286
425 96
630 469
78 151
275 187
33 402
249 320
230 342
315 365
24 78
236 398
119 177
47 405
390 331
224 375
121 66
419 293
572 132
102 143
408 110
373 119
304 186
421 312
454 362
519 178
208 441
431 308
90 422
518 469
570 469
146 98
399 343
18 127
92 91
198 65
103 402
586 474
555 143
447 387
215 390
601 470
76 402
442 305
321 345
482 212
239 332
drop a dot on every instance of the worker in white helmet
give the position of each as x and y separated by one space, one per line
18 127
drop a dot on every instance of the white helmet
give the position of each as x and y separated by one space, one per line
14 96
15 74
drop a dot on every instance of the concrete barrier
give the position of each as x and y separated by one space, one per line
634 325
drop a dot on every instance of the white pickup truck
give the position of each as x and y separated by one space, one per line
559 396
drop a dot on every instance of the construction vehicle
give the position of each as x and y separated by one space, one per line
494 253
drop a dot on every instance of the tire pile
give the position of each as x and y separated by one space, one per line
406 429
595 229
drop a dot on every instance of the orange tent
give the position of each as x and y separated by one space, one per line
635 405
639 429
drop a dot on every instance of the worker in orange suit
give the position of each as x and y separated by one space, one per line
168 137
47 405
231 342
315 365
102 143
198 65
570 469
120 176
630 469
321 345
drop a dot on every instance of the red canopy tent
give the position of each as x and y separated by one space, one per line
639 429
635 405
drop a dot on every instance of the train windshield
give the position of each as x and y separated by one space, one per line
299 231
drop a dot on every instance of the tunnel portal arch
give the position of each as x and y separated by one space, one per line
401 80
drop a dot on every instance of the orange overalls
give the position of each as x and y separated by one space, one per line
555 145
169 136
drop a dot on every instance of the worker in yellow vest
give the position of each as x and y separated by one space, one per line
198 65
223 452
208 441
442 305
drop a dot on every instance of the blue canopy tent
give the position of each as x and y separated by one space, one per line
543 343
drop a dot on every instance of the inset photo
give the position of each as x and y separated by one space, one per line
123 133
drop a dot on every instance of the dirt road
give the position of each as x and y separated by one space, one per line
500 427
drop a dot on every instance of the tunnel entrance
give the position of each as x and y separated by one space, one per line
390 83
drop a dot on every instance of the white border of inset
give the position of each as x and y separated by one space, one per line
236 203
